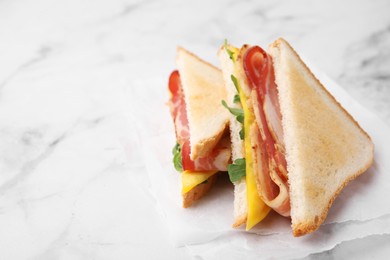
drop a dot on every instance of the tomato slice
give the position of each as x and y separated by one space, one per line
187 163
174 86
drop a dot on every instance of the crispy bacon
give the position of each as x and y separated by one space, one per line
219 157
267 136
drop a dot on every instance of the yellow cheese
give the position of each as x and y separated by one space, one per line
257 209
190 179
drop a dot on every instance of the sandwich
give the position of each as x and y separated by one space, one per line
201 124
294 147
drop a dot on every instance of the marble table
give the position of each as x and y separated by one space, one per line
66 186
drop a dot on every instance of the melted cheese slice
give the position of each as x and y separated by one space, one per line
257 209
191 179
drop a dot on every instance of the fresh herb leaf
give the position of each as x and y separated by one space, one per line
237 170
240 117
229 52
237 112
176 148
235 82
242 133
236 99
177 161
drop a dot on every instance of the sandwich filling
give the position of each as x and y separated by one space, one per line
257 210
243 167
204 167
269 163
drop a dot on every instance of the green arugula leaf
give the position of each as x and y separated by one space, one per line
240 118
237 170
229 52
177 161
236 99
237 112
235 82
242 133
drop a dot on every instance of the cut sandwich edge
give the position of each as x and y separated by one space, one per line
208 139
240 213
204 146
198 192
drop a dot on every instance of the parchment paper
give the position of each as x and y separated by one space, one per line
360 210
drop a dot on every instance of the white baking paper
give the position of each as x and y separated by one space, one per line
360 210
285 246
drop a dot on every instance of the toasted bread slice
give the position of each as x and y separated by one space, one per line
325 146
204 89
240 188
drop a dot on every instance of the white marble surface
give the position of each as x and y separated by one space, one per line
67 183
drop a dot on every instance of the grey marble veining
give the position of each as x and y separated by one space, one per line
366 71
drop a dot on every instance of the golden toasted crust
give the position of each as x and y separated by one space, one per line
301 229
205 146
194 56
204 89
315 183
277 43
198 191
241 220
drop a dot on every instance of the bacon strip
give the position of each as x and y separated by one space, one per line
270 165
219 157
178 109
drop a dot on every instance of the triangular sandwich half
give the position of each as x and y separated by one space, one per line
303 148
201 124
